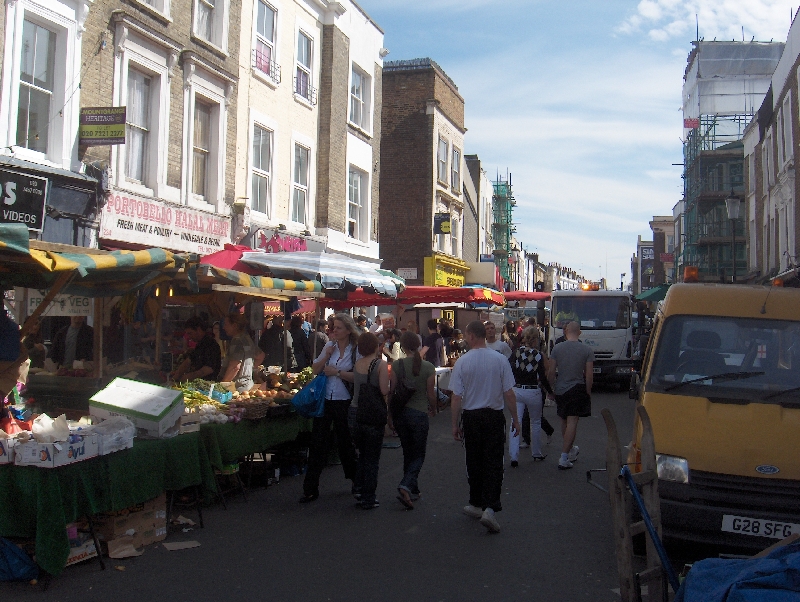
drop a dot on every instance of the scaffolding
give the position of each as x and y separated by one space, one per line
713 159
503 204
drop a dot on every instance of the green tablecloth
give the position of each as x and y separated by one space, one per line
39 502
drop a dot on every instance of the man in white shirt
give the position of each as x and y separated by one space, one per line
482 382
492 342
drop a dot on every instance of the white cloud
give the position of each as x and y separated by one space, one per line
663 20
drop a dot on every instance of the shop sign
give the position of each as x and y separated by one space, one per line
275 241
62 305
667 257
407 273
147 222
442 274
23 199
691 123
441 223
102 126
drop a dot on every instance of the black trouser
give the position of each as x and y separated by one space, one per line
335 414
484 442
369 442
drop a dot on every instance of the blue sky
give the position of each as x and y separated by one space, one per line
579 100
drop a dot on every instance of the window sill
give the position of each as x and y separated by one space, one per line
302 100
152 10
357 127
355 241
210 45
455 191
442 183
136 188
264 78
198 202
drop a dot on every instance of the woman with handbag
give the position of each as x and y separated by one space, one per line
371 386
416 376
336 361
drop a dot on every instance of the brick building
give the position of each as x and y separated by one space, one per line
422 205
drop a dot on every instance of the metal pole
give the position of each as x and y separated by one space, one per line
733 250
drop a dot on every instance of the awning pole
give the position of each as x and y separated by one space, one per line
97 356
314 328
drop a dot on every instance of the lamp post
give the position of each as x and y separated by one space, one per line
732 205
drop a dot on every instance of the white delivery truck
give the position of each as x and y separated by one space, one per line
606 327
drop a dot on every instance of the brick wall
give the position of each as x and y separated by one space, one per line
451 103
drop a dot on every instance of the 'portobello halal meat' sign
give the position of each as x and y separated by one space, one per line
23 197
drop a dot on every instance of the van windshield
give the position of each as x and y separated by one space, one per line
738 358
592 313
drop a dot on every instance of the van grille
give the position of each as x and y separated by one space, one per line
603 355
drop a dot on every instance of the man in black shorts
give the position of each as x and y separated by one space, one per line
573 388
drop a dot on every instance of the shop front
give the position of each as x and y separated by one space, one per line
444 270
138 221
275 240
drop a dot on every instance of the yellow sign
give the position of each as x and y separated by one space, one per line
441 270
102 126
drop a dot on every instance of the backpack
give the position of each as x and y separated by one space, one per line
371 408
404 390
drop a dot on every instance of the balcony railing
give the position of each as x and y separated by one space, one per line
265 65
304 89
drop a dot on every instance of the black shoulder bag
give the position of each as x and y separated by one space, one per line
372 410
404 389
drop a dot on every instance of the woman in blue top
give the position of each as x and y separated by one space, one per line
336 361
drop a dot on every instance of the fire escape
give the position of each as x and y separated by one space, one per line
502 206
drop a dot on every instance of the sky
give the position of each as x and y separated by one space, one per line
580 101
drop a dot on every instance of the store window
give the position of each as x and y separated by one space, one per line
300 183
36 86
262 168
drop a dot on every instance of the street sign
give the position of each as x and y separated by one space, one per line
102 126
23 197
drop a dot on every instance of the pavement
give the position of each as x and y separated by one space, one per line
555 541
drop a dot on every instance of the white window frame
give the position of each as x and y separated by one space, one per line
311 98
455 170
267 123
455 234
145 127
786 115
441 160
361 204
308 144
765 163
160 8
220 22
751 173
206 86
364 102
771 155
273 76
779 136
135 50
66 20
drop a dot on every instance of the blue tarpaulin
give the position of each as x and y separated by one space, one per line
774 578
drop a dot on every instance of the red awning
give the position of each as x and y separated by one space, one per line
228 259
413 295
526 296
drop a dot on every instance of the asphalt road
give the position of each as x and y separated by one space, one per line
555 544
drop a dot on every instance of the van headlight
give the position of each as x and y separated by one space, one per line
672 468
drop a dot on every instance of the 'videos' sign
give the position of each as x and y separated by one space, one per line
22 199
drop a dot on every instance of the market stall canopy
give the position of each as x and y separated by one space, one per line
512 296
230 258
654 294
258 285
413 295
93 273
333 271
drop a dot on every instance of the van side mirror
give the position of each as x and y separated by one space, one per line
636 383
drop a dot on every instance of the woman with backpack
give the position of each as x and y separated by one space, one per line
416 376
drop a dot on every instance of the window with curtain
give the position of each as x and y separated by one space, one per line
355 202
303 70
37 66
205 19
300 184
137 126
201 148
265 38
262 161
442 160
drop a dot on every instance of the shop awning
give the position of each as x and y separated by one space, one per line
333 271
526 296
654 294
413 295
259 284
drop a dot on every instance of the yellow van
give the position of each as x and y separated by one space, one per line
721 383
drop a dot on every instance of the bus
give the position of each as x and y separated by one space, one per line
606 327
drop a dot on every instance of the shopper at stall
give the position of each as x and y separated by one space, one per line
318 338
34 343
301 351
205 360
412 424
433 345
272 343
372 371
411 326
336 361
74 342
391 345
242 354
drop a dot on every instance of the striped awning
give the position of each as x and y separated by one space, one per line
261 282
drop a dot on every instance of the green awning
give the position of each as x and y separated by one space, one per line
654 294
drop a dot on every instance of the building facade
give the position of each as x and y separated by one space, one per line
422 170
663 230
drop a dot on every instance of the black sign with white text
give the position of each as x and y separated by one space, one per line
22 199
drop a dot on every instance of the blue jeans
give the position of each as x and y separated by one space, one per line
369 442
413 431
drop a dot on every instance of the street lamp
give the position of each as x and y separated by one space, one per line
622 281
732 205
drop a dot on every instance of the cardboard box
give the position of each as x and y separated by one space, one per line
152 408
150 535
157 503
53 455
82 552
7 450
113 527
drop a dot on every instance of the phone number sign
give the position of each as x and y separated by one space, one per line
22 199
102 126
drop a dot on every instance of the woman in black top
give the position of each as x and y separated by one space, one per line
528 366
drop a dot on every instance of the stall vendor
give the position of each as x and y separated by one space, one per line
242 355
205 359
75 342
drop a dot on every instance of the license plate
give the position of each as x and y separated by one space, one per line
596 370
758 527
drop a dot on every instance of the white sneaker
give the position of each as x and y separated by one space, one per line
473 511
573 453
524 445
489 521
564 464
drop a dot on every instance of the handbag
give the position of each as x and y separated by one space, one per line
309 402
371 410
403 391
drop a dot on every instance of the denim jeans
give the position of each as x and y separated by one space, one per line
336 414
369 442
413 431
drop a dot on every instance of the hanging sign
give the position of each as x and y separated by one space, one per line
441 223
61 305
102 126
23 197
